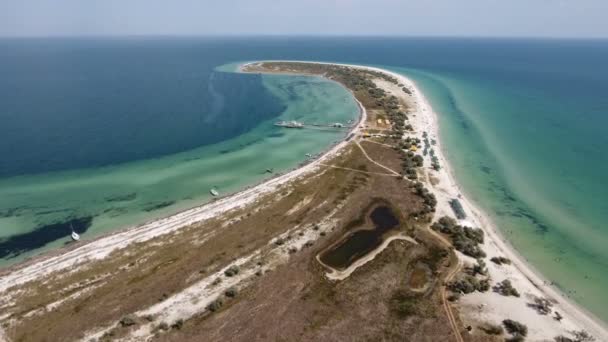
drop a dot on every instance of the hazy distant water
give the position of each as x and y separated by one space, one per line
523 124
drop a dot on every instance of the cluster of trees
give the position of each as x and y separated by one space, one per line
469 284
376 93
408 142
478 268
428 198
505 288
577 336
434 160
427 143
542 305
464 239
500 260
516 329
411 162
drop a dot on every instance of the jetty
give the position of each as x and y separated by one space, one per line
299 125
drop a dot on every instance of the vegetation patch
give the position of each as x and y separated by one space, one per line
500 260
403 304
464 239
469 284
492 329
516 329
506 289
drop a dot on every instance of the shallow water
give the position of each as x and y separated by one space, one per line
38 211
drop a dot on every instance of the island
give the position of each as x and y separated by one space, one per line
371 240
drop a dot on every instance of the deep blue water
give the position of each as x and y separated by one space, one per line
67 104
523 121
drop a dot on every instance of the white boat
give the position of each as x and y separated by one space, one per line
214 192
75 235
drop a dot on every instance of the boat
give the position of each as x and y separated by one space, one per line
214 192
270 170
75 236
289 124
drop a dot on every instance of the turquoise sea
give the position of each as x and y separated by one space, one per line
105 133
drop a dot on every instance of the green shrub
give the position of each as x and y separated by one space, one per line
127 321
464 239
215 305
515 328
506 289
492 329
178 324
403 304
232 271
469 284
500 260
231 292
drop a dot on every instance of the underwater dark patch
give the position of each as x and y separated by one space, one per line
156 206
11 212
46 212
16 245
122 198
541 228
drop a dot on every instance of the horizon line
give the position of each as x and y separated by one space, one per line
299 35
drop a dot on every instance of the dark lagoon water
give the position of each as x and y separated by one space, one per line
111 132
363 240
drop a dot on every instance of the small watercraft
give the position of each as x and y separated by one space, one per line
214 192
269 170
75 236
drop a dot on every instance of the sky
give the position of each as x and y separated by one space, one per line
488 18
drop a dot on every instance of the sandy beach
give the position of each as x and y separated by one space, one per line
491 306
473 308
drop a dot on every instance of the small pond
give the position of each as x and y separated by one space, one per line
362 241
